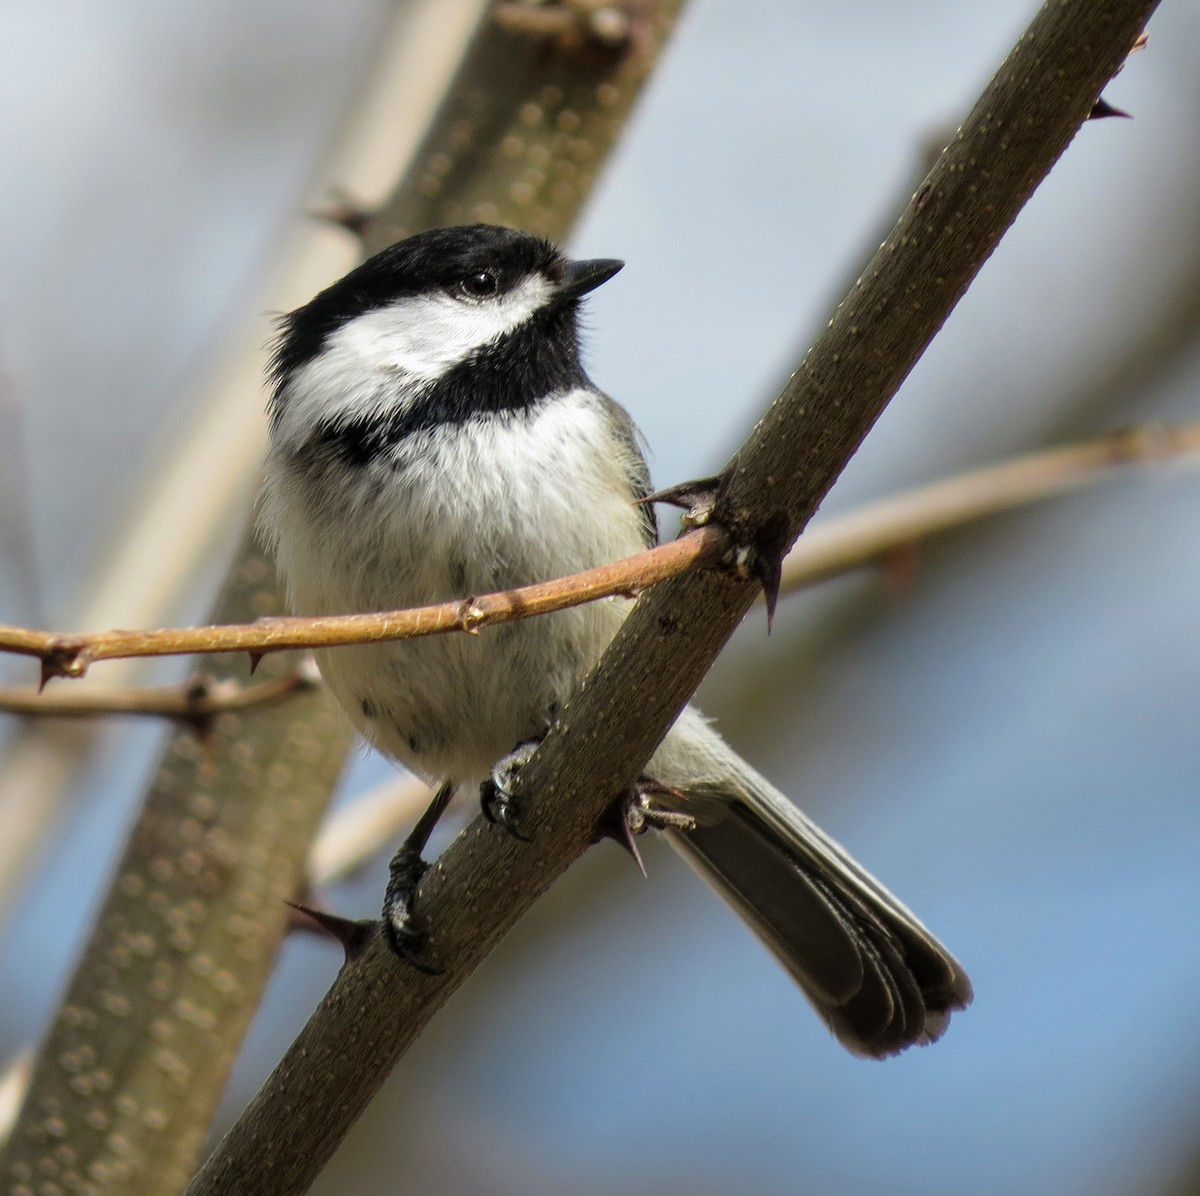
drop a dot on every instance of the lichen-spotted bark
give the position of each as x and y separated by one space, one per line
126 1080
129 1074
526 128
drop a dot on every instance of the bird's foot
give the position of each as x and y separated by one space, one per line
403 929
644 806
497 797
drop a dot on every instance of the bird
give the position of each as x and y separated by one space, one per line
434 435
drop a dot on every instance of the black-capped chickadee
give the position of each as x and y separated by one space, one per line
434 436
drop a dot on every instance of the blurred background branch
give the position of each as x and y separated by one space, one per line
134 1111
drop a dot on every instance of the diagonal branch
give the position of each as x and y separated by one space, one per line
486 881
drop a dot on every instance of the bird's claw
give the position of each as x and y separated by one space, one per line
404 932
496 797
640 808
502 809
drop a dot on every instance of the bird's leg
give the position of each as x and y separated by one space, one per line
496 796
405 936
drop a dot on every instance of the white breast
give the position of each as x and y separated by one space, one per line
483 506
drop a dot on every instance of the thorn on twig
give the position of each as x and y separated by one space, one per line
353 934
64 660
471 616
1102 108
255 660
198 692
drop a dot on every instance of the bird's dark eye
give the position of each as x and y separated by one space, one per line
478 286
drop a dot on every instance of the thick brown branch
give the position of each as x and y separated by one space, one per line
486 881
482 160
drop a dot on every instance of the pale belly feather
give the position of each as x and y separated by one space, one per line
514 506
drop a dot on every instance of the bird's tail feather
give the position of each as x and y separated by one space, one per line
880 980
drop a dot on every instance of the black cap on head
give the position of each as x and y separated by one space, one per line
440 258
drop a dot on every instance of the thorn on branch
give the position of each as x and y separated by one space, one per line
1102 108
66 659
698 499
622 822
353 934
765 561
643 807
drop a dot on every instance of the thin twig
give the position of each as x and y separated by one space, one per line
195 701
70 655
833 547
872 532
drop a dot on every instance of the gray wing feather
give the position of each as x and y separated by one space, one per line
630 437
878 977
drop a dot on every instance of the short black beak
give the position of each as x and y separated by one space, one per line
581 277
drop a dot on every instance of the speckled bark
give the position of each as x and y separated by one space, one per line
486 881
139 1052
129 1076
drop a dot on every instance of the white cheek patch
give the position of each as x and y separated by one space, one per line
425 335
410 342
